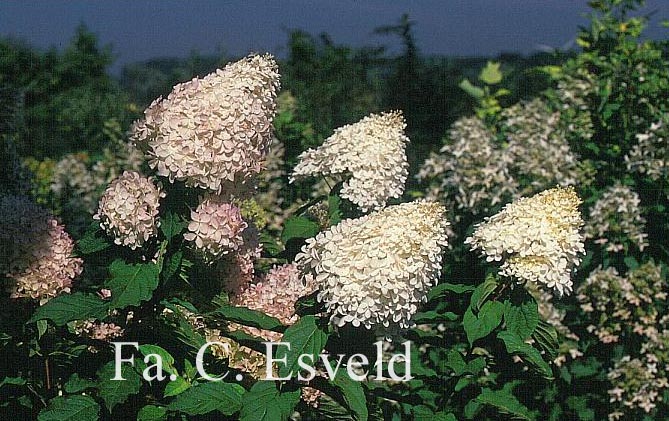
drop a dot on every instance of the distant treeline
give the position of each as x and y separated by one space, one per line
57 102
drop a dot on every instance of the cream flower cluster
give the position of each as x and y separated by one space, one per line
537 147
616 217
572 92
215 228
275 295
470 167
36 251
128 209
375 270
640 383
215 131
616 302
537 238
650 155
372 151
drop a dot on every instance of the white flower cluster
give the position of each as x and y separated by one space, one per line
616 217
572 92
128 209
537 238
470 167
214 131
372 151
375 270
537 147
650 155
215 228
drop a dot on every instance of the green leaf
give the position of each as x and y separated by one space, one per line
176 387
482 292
445 287
171 265
90 242
489 317
152 413
114 392
471 90
131 284
269 244
521 318
264 402
546 337
455 362
299 227
515 345
171 225
579 405
207 397
68 307
354 395
505 402
13 381
70 408
631 262
434 317
334 211
166 357
249 317
77 384
305 337
491 75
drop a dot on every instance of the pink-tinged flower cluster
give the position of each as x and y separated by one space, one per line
214 131
100 331
275 295
237 270
128 209
372 151
36 251
216 228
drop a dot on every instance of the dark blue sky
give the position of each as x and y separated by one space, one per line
140 29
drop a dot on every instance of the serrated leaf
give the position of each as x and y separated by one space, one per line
90 242
114 392
546 337
70 408
207 397
299 227
455 362
152 413
249 317
471 90
166 357
515 345
77 384
434 317
264 402
171 265
131 283
68 307
481 293
171 225
354 395
489 317
506 403
521 318
176 387
491 74
305 337
443 288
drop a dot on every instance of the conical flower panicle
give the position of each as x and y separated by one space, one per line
375 270
372 151
537 239
213 131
